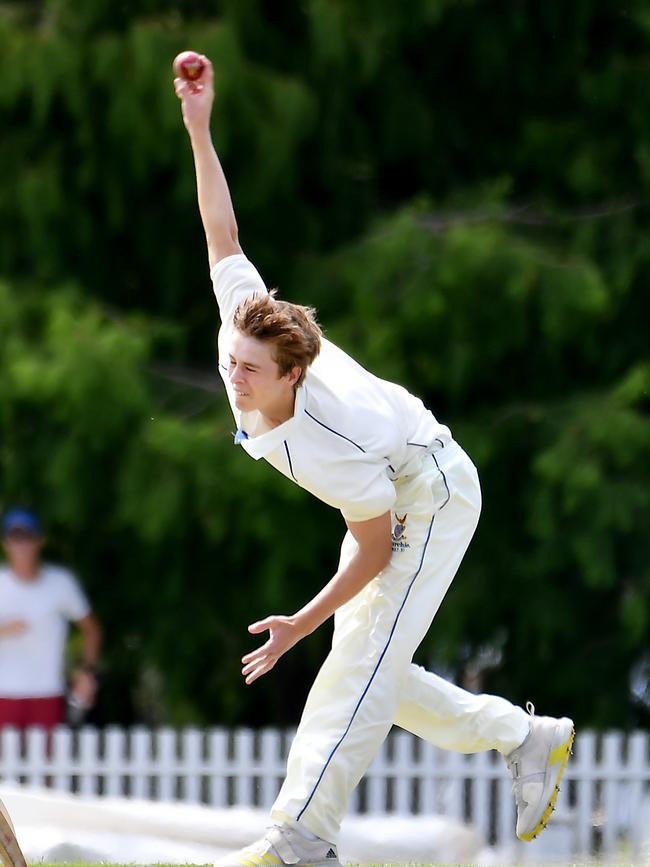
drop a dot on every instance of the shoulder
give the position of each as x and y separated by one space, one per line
237 265
233 279
346 399
59 576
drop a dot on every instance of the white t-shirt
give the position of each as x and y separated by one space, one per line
352 435
32 664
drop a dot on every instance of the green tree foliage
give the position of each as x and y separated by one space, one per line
461 188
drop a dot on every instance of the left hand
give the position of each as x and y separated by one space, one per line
84 688
284 633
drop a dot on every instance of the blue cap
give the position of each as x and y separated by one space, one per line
21 519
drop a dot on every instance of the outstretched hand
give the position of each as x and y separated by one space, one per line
196 97
284 633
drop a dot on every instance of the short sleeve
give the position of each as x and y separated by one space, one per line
234 279
73 602
373 493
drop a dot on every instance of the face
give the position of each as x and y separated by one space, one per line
255 376
23 549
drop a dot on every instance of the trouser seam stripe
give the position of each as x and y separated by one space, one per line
376 668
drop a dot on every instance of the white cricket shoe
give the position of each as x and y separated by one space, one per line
537 767
281 844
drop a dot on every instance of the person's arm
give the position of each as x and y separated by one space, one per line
215 204
84 685
374 548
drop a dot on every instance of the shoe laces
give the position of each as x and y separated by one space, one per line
513 764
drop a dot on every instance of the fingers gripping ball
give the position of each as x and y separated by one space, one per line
189 65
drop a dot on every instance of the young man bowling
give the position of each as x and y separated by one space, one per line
410 498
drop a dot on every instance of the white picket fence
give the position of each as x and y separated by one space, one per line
604 807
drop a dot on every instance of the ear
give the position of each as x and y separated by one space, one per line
294 375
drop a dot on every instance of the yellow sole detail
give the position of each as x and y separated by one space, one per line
559 754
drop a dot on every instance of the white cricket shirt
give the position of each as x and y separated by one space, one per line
32 664
352 435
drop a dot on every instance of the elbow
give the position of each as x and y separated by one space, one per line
382 551
374 559
375 541
224 234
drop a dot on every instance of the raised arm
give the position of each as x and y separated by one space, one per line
215 204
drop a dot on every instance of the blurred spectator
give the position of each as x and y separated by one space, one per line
37 602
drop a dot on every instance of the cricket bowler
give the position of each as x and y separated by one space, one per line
410 498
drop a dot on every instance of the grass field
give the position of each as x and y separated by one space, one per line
584 863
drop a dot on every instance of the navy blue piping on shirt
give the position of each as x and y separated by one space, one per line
423 446
444 478
286 448
331 430
379 661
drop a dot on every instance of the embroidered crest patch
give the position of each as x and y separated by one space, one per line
399 533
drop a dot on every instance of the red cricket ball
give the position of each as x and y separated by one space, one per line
188 65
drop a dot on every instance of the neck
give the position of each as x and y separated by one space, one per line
276 415
26 573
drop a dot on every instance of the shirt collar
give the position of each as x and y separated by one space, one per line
260 446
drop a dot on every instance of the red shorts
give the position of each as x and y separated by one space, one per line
21 713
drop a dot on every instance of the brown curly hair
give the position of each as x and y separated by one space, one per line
291 328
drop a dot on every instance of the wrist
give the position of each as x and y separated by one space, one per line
200 135
305 621
88 668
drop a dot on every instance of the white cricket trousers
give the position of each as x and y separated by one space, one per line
368 682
